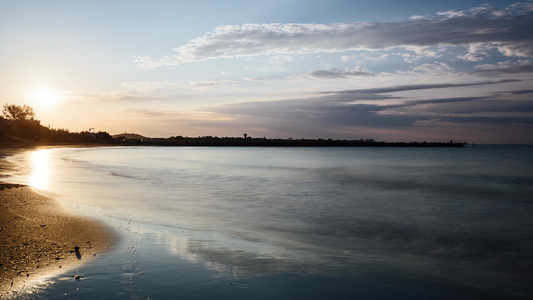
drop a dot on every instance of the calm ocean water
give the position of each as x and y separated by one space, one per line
300 223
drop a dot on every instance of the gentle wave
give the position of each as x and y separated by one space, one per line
138 178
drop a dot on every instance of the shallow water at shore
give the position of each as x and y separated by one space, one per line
298 223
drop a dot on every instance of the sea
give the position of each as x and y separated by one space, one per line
295 223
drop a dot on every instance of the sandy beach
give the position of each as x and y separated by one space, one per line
39 237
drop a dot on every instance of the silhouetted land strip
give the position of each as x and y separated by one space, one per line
90 141
263 142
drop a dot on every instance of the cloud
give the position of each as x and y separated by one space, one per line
434 68
471 56
471 12
148 87
280 59
522 92
486 10
470 109
364 56
506 30
333 73
476 52
206 84
401 88
115 95
342 111
504 68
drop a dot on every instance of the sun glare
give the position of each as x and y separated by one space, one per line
40 163
44 97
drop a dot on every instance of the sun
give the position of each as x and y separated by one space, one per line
45 97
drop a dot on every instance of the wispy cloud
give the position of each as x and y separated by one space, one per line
504 68
148 87
364 56
340 110
402 88
332 73
506 30
114 95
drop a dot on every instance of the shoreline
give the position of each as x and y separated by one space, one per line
39 236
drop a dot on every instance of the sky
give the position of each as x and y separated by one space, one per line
388 70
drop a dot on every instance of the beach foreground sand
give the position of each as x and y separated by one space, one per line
39 237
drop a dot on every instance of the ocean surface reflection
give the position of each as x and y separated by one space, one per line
41 169
451 218
234 257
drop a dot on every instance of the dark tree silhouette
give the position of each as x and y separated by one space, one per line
18 113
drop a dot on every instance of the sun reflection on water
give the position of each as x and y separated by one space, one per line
40 163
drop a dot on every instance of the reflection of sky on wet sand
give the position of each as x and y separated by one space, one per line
236 258
239 258
171 263
222 254
226 255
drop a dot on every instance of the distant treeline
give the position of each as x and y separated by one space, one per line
264 142
17 123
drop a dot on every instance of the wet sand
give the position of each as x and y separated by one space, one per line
39 237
